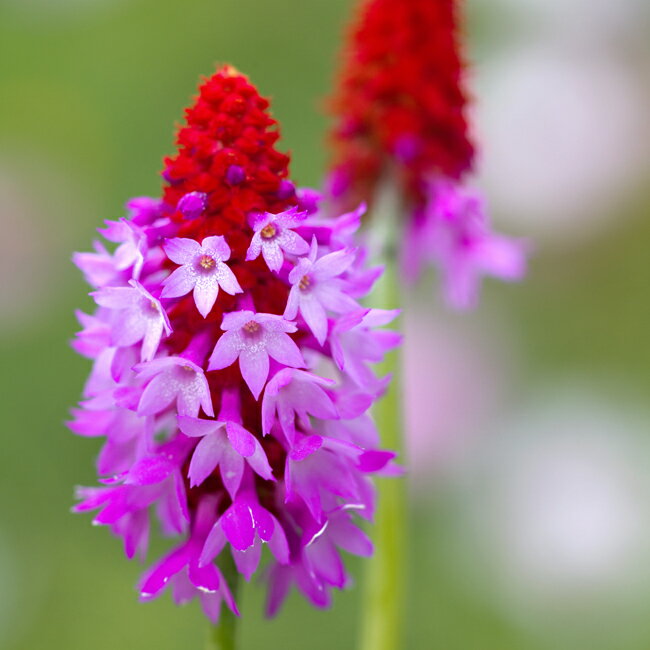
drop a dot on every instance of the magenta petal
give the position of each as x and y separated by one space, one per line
149 470
278 543
374 460
205 578
306 447
237 524
247 561
159 575
242 441
214 543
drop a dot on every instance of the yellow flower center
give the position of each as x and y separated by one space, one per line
252 327
206 262
269 231
305 283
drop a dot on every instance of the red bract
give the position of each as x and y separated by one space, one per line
400 100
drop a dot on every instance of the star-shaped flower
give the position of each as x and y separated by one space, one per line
202 268
174 379
273 235
316 288
228 445
253 338
294 393
138 317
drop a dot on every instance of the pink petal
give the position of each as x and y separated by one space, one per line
272 255
195 428
243 441
293 303
180 282
247 561
160 573
182 250
156 396
254 366
225 351
214 543
205 295
228 280
205 578
232 470
282 348
218 245
315 317
292 243
237 524
207 455
255 247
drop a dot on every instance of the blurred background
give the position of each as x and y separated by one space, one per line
528 421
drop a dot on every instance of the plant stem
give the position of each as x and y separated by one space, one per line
223 635
385 579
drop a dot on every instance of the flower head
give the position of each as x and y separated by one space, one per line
274 236
401 118
203 269
212 297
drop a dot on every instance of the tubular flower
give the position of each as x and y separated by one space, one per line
400 112
213 301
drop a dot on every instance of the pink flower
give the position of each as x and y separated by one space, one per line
182 570
174 379
227 445
294 393
459 241
253 338
355 344
138 317
202 268
273 235
316 287
132 245
246 524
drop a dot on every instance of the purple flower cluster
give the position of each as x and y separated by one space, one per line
232 390
451 231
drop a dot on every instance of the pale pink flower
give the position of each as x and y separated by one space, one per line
202 269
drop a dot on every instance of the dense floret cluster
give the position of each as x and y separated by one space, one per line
231 374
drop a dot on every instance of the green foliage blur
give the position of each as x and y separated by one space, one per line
89 93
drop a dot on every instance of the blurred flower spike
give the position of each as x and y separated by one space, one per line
400 118
233 406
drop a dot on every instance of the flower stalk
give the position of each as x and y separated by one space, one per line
382 626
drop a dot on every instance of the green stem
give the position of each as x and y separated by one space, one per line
383 600
223 635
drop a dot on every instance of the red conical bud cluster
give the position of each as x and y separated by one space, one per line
399 98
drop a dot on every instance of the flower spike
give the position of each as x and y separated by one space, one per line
231 286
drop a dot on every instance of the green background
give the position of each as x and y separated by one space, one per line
89 93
